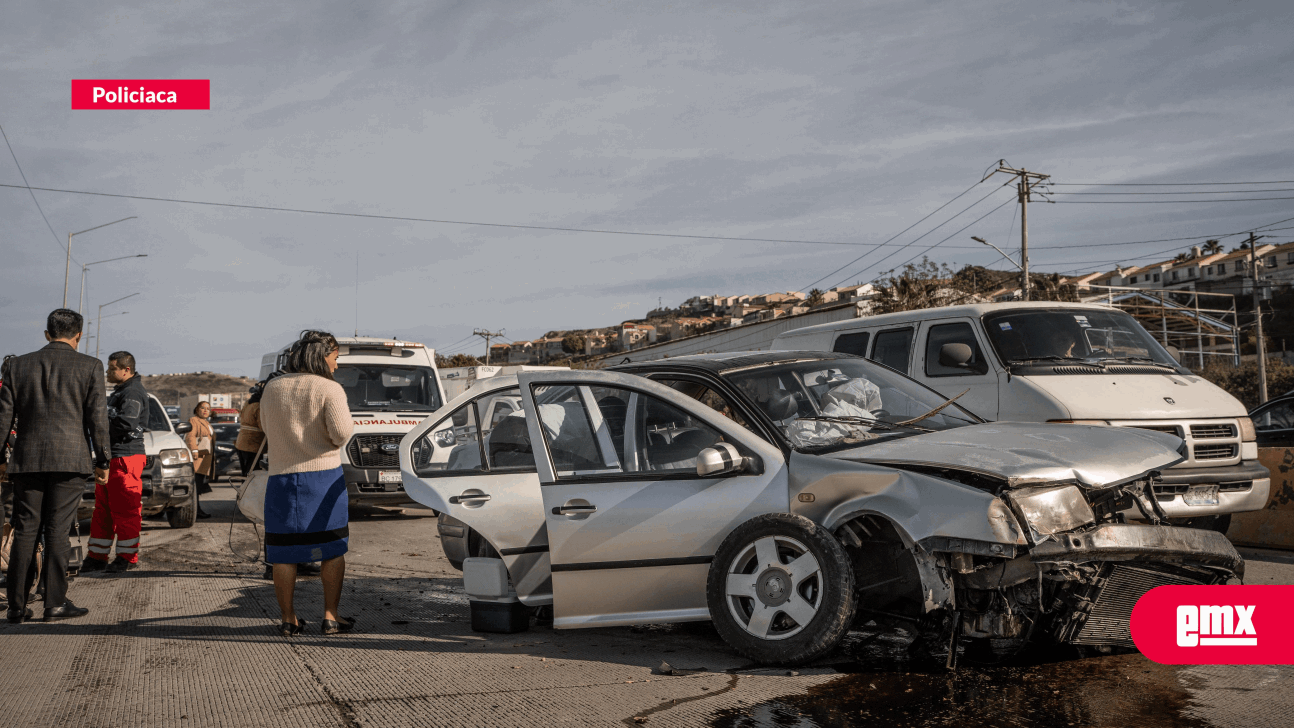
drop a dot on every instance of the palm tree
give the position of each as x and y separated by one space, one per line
1211 247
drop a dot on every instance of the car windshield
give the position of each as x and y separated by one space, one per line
1032 335
225 433
390 388
830 404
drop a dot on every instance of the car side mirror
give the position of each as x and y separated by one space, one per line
959 356
183 428
722 459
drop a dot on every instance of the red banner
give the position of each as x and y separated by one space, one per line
162 94
1216 625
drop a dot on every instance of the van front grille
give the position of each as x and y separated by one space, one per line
1214 452
1206 432
375 451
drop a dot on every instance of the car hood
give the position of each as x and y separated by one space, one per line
1138 396
1022 453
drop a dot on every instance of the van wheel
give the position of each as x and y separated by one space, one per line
781 590
185 515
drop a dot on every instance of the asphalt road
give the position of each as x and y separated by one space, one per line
189 640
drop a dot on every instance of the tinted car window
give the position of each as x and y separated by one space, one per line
892 348
1279 416
157 419
855 344
959 333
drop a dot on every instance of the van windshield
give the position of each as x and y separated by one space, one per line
389 388
1027 336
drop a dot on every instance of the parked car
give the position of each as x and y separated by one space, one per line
1080 363
226 457
168 472
172 413
788 495
1274 421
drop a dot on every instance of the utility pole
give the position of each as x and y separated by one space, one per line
1258 317
1024 186
487 335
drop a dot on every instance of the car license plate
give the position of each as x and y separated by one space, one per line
393 476
1201 495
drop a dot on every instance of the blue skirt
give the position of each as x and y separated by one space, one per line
306 517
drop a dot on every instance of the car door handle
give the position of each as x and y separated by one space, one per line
563 510
469 498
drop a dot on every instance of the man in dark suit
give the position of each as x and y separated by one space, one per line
58 395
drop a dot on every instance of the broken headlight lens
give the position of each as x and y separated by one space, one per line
1053 509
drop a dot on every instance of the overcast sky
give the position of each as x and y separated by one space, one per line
839 122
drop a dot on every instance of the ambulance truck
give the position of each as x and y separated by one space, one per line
391 385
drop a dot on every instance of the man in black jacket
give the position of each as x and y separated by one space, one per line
118 503
58 395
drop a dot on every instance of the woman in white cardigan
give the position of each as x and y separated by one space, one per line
307 422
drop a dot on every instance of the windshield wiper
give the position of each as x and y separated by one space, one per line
1031 359
933 412
1143 360
878 424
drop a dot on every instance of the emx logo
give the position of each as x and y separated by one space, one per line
1215 625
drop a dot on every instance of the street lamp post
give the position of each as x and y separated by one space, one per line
67 268
80 306
96 336
98 324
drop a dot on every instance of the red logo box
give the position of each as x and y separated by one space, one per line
1216 625
161 94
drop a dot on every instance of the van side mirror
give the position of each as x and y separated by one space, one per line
183 428
1174 352
959 356
722 459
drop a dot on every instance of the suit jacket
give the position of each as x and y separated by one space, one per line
58 398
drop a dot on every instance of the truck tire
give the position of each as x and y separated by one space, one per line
184 516
781 590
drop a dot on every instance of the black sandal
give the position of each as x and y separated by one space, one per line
288 630
342 624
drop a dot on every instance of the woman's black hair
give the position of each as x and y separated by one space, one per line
258 391
308 355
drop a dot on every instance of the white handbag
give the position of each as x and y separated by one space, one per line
251 494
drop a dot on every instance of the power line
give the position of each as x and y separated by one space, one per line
1168 202
904 230
33 194
400 218
932 247
1208 192
1166 184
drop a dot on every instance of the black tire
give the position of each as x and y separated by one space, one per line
184 516
828 591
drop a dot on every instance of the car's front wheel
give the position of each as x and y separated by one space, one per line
781 590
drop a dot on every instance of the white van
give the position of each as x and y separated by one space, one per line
1069 362
391 385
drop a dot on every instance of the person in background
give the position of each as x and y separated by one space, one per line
307 421
58 394
201 441
118 503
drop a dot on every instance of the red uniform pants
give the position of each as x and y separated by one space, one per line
118 510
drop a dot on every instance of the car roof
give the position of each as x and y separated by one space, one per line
966 310
728 361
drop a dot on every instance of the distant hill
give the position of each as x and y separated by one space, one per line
171 387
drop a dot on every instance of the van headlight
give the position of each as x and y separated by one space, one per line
1247 431
1052 509
172 458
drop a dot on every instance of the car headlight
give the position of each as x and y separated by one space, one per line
224 448
1247 432
172 458
445 438
1052 509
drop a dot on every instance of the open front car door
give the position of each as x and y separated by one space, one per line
640 485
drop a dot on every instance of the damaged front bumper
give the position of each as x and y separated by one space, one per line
1080 587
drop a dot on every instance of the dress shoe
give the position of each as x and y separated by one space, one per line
68 610
90 565
203 514
16 617
119 565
